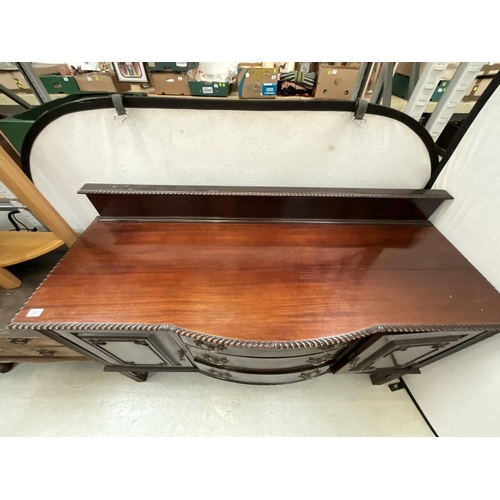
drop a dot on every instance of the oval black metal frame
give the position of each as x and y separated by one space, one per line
88 103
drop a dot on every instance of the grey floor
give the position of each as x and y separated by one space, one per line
79 399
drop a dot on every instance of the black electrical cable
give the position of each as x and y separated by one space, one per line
15 222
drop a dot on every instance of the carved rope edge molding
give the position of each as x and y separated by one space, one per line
252 344
319 193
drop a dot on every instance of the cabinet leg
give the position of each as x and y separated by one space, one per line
378 379
137 376
8 280
6 367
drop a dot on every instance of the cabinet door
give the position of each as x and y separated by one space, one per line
128 350
402 353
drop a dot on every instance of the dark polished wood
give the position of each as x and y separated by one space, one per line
119 200
264 281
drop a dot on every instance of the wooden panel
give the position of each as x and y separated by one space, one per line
266 203
264 282
16 339
15 180
48 351
8 280
40 359
19 246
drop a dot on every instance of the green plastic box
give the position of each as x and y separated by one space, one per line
59 84
401 83
172 66
210 89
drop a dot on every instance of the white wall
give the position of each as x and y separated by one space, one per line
460 395
221 148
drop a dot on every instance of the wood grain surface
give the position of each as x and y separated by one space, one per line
264 281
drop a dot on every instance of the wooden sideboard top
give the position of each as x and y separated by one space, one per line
264 281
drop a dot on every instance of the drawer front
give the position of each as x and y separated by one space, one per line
217 359
260 353
262 378
42 352
14 341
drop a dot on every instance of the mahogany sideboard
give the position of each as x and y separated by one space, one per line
263 285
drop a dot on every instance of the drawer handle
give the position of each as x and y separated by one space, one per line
320 361
19 341
214 361
216 348
334 347
221 375
97 342
310 375
354 362
45 352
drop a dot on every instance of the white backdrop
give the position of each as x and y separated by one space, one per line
460 395
221 148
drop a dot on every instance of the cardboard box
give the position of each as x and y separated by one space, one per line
171 66
210 89
476 90
14 80
49 69
58 84
169 83
257 82
335 82
404 68
101 82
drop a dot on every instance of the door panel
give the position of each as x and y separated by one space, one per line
404 351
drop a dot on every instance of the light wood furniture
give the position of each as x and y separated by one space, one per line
18 247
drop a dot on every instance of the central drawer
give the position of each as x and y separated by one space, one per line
208 347
263 378
225 360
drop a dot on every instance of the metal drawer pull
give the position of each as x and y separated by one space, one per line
19 341
310 375
221 375
334 347
45 352
218 362
216 348
97 342
320 361
354 362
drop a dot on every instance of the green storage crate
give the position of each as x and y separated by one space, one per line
210 89
59 84
172 66
401 83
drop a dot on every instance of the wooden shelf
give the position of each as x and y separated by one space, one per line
18 246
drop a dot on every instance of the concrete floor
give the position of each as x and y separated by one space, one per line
79 399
